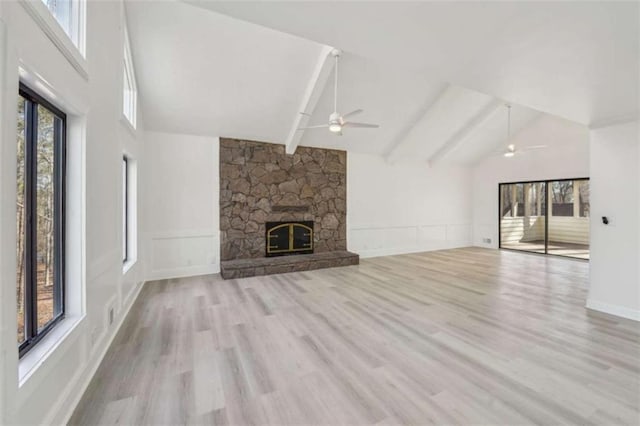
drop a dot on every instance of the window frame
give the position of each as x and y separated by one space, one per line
32 335
72 46
125 210
76 16
130 109
547 183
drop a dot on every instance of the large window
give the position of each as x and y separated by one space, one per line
40 217
130 90
561 229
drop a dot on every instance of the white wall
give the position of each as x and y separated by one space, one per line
404 208
615 193
182 190
51 382
391 208
567 156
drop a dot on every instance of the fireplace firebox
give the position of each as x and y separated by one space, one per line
287 238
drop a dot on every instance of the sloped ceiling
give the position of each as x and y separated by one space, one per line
200 72
435 76
576 60
490 137
390 97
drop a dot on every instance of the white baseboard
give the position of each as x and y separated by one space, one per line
64 414
619 311
367 253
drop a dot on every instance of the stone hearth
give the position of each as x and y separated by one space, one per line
243 268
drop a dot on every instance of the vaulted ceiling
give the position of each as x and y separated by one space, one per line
200 72
434 75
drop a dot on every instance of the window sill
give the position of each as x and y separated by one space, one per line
50 26
127 124
128 265
37 356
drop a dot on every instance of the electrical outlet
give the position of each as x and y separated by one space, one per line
486 240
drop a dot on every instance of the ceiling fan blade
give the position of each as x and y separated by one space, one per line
529 148
319 126
361 125
355 112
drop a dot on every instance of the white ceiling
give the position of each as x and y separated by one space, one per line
410 66
490 138
204 73
578 60
389 96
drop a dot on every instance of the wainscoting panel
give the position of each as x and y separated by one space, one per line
458 235
383 241
433 233
485 230
184 253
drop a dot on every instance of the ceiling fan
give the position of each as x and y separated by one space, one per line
511 148
338 121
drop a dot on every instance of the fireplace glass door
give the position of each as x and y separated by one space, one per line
286 238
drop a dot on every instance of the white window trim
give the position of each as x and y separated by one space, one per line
132 213
125 122
130 71
75 54
75 241
32 360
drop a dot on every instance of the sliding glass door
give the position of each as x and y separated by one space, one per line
550 217
568 233
523 216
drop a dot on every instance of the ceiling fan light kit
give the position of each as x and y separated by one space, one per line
337 122
334 123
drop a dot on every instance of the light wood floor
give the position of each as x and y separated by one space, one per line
450 337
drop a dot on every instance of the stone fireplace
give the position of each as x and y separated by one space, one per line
259 185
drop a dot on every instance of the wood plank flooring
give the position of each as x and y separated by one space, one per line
464 336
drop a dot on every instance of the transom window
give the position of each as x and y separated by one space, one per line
40 217
130 90
68 13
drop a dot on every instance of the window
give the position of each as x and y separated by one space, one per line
130 91
549 217
68 14
129 212
562 194
40 217
125 210
585 206
61 10
513 200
